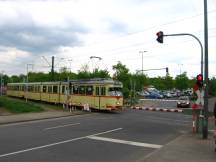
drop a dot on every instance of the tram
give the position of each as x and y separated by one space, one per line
99 93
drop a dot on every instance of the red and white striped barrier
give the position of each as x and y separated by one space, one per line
157 109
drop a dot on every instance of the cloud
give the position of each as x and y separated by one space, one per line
23 33
117 27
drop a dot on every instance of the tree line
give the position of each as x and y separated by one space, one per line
132 82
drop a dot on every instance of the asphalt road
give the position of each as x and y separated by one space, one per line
125 136
170 103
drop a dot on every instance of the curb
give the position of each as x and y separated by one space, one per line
157 109
39 118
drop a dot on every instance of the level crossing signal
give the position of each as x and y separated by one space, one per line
160 36
199 80
167 70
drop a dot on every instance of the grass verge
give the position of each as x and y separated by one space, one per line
19 106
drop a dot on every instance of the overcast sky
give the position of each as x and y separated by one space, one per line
31 32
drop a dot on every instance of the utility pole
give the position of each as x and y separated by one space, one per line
52 69
1 83
205 126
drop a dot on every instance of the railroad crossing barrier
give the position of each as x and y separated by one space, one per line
157 109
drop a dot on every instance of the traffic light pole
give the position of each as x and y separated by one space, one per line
205 127
201 46
154 69
205 109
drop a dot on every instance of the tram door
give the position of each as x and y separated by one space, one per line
100 92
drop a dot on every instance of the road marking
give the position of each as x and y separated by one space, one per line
61 126
125 142
57 143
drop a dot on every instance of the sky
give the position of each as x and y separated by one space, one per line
79 32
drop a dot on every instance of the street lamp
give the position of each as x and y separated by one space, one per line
93 58
70 61
27 65
142 58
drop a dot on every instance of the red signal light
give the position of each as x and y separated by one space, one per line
199 80
160 36
200 77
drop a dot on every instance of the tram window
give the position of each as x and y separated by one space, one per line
30 88
44 89
82 90
71 89
55 89
76 89
103 91
89 90
97 91
63 89
35 88
115 91
49 89
38 88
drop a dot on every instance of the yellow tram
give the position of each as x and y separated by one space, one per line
100 93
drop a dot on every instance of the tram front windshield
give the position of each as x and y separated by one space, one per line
115 91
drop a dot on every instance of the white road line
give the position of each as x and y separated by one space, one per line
57 143
126 142
61 126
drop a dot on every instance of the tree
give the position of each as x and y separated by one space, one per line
100 74
141 81
212 86
182 81
122 74
168 82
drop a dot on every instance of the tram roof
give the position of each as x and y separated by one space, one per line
76 81
96 81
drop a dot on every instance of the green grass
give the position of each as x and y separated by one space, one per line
19 106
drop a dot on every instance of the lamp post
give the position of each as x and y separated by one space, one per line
96 64
27 70
142 58
70 61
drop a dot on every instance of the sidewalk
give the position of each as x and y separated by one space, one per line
14 118
186 148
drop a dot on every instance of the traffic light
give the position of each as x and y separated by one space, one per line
199 80
160 36
167 70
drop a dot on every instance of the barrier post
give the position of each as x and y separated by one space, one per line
215 124
197 122
194 118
